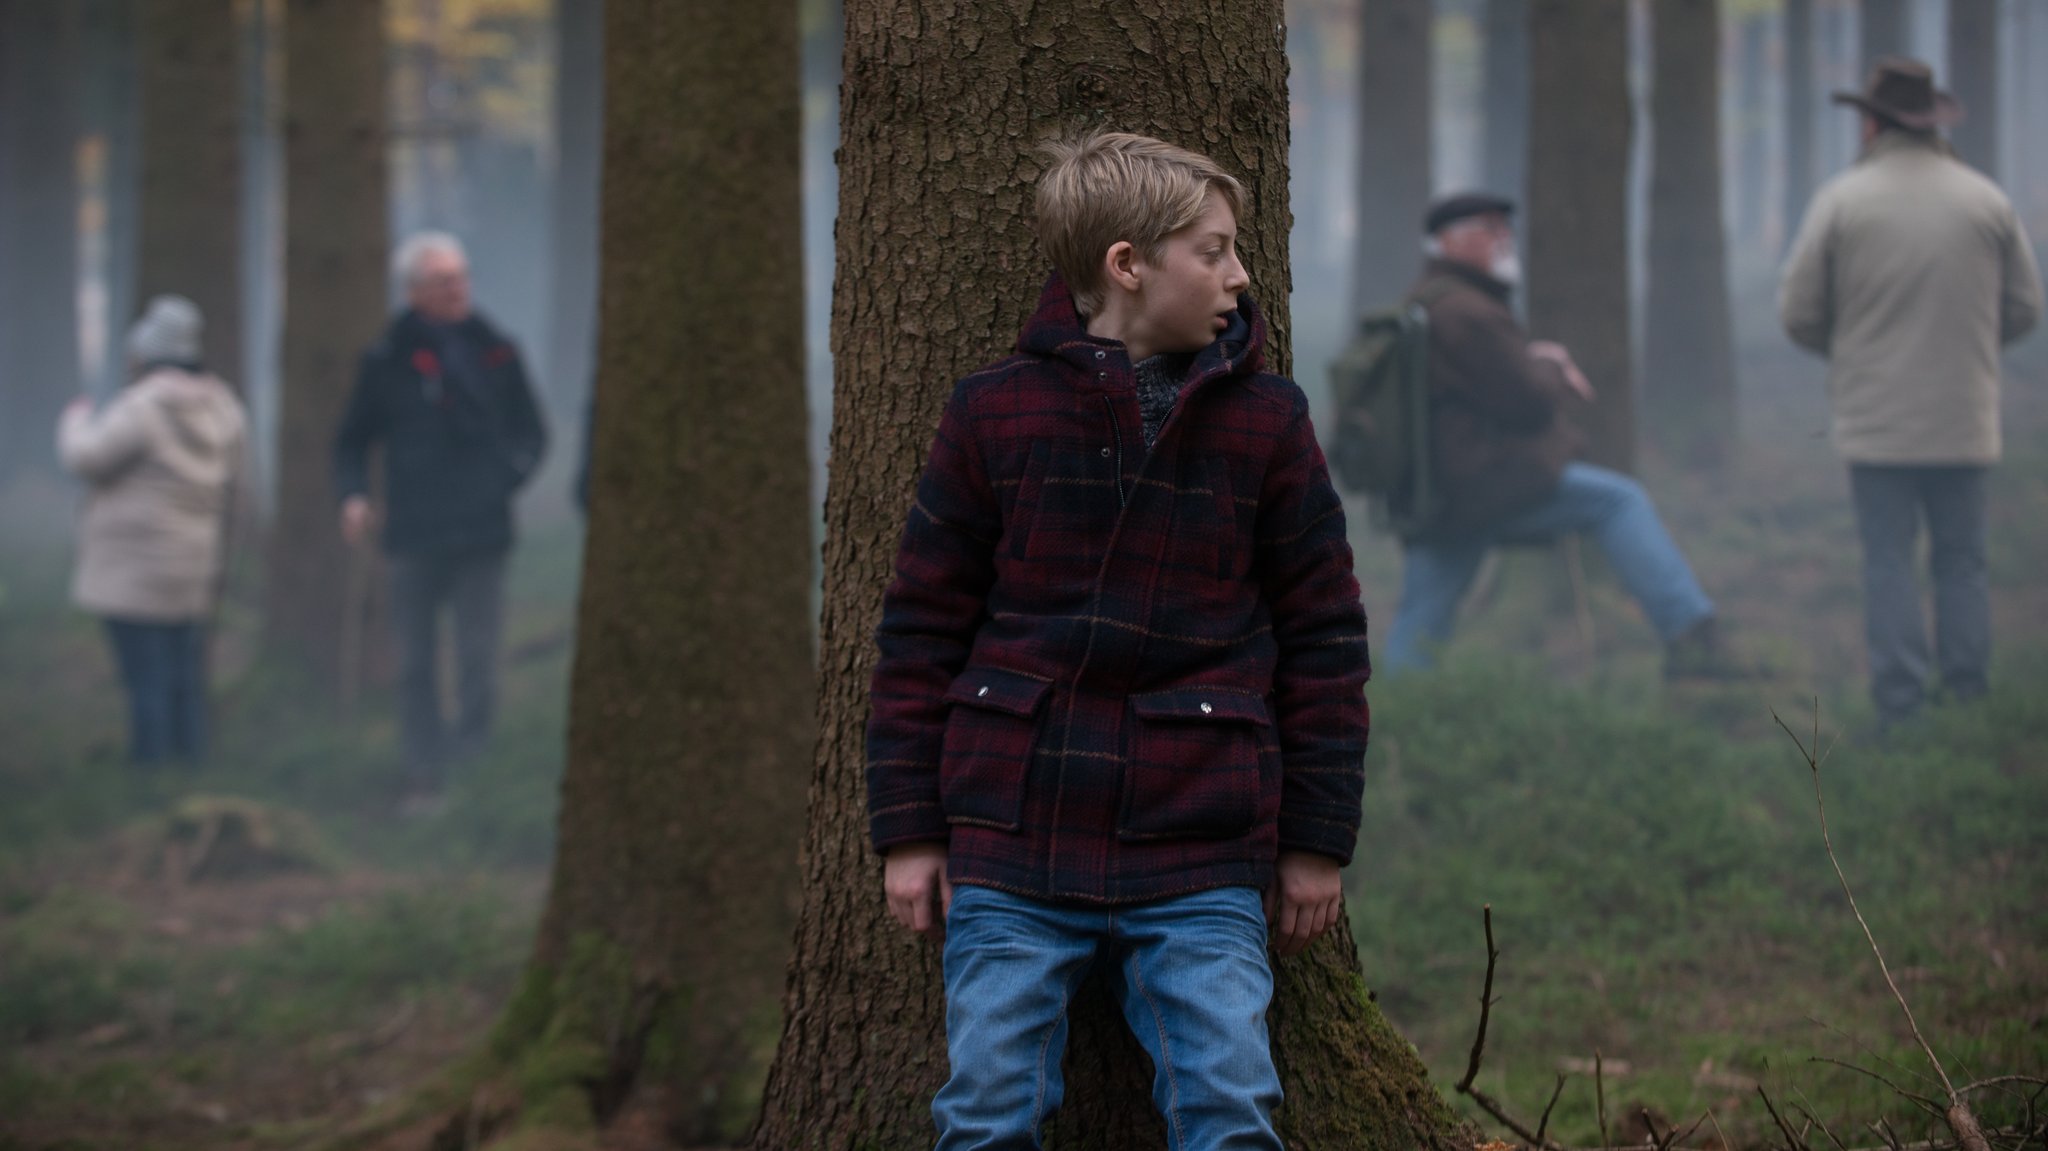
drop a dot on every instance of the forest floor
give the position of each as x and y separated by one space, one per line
257 953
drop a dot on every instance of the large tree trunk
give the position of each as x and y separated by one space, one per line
39 335
1393 147
655 981
937 270
191 167
1688 357
335 287
1886 29
1973 70
1578 204
1507 97
1801 167
579 131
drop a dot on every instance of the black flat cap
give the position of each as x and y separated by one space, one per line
1463 205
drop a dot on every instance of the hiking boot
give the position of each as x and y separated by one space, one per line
1701 654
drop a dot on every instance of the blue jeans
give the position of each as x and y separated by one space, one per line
163 669
1607 505
1890 501
1190 972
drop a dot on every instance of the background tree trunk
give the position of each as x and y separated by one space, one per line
938 269
336 241
1801 168
1688 357
1394 147
1507 98
39 333
1886 31
1973 74
660 957
1578 204
110 114
579 164
190 240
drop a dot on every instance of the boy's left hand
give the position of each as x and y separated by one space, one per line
1306 897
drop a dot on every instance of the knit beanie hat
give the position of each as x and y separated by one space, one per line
167 333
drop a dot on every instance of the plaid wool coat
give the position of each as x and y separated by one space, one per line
1109 675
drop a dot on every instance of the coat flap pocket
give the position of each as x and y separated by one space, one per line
996 689
1201 704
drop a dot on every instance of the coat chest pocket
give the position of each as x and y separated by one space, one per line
1193 770
1065 507
991 729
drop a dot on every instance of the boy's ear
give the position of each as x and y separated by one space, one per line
1120 266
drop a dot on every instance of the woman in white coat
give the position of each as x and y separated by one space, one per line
159 459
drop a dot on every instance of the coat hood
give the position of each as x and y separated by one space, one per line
201 422
1056 330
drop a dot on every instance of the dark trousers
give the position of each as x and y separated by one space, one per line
472 590
163 669
1890 502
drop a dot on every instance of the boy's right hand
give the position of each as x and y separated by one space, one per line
914 878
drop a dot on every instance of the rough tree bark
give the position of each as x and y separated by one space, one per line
1886 30
1507 97
38 228
651 998
579 166
937 271
190 239
1393 147
1801 169
1688 339
1578 204
336 241
1973 73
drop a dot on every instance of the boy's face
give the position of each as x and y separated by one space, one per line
1189 295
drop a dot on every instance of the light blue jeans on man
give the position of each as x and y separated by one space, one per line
1191 975
1604 504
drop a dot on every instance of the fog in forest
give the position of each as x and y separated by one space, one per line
294 929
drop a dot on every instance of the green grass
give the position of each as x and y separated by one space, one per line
1661 894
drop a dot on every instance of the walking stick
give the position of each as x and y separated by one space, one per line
355 596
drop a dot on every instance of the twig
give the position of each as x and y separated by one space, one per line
1682 1136
1921 1101
1485 1003
1464 1086
1718 1133
1891 1141
1980 1084
1543 1124
1816 1120
1865 1048
1960 1119
1600 1098
1792 1142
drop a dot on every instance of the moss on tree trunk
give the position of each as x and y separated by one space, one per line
937 270
652 993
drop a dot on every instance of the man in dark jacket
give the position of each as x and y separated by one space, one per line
1503 454
447 397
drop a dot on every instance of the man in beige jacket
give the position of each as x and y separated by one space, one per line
1909 274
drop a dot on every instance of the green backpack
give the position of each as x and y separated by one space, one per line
1381 447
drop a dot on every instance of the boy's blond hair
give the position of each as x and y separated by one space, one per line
1100 188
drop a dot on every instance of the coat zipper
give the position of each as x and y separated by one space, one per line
1117 432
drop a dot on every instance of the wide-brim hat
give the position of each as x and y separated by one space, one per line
1902 90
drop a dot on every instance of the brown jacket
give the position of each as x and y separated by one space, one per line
1498 438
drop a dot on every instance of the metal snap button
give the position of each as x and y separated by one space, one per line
1206 709
1099 355
984 691
1105 453
1102 375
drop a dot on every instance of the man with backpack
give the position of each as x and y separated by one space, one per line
1485 453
